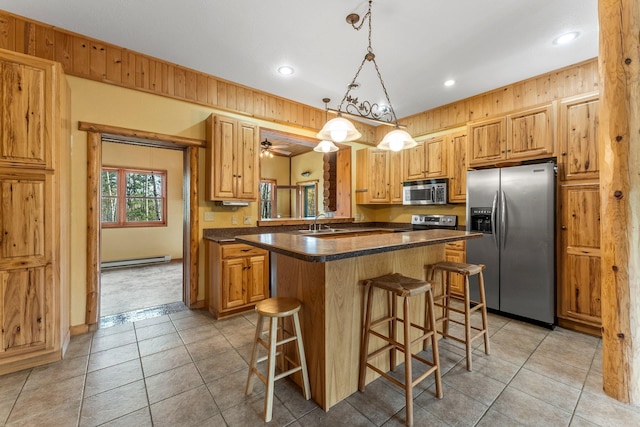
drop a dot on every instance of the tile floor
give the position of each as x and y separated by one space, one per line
187 369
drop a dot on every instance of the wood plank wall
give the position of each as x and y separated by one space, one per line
573 80
92 59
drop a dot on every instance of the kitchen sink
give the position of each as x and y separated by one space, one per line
324 231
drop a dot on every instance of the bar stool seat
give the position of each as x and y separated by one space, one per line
444 301
399 286
276 309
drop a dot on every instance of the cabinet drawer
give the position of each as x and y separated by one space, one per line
460 245
235 250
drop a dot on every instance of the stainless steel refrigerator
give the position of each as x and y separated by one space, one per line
514 208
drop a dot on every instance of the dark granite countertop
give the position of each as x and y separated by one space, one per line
319 248
228 235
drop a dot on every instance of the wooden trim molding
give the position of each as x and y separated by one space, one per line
94 162
132 133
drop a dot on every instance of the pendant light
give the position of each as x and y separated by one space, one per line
327 145
340 129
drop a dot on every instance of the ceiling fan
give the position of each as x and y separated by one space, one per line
267 149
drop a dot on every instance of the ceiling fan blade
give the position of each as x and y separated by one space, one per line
283 152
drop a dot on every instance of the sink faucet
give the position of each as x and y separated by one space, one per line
315 221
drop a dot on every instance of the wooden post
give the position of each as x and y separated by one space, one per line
94 162
194 237
619 63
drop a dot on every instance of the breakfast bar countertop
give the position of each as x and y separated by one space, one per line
323 248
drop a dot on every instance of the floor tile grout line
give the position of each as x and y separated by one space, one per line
582 390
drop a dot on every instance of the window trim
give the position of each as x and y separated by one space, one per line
121 198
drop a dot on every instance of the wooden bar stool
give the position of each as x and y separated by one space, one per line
444 301
397 285
277 309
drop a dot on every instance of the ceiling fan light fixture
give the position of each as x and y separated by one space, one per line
326 147
339 129
396 140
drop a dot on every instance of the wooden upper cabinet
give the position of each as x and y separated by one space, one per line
530 133
579 138
25 119
522 135
395 177
458 167
426 161
232 167
486 141
579 272
372 176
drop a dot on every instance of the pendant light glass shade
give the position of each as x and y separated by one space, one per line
397 140
325 147
339 129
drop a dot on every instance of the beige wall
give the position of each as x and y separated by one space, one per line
101 103
140 242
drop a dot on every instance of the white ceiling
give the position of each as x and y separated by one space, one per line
482 44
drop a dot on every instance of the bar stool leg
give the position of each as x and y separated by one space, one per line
408 374
434 345
254 356
368 292
394 328
271 369
484 313
467 322
301 357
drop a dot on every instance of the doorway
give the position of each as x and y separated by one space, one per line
141 244
190 148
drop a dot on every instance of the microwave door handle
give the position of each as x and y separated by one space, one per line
494 212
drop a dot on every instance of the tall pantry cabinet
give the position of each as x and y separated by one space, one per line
34 211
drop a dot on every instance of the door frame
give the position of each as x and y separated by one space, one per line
190 148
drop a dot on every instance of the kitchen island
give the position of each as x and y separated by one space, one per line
325 272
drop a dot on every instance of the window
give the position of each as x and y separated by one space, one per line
267 198
133 197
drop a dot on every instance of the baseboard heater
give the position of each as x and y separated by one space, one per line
136 261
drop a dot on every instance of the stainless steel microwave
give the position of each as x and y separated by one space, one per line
428 192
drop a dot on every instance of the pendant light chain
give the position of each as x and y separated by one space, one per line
370 56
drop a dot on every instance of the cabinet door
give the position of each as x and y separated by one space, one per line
395 177
379 176
24 116
530 133
486 142
233 294
257 275
414 167
23 298
436 157
457 280
579 286
579 138
458 168
222 165
247 172
23 204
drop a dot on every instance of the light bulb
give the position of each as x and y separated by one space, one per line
339 135
396 144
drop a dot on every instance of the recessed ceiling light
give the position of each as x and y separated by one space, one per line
566 37
449 82
285 70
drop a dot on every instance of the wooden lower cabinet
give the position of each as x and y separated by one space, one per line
237 277
456 252
579 253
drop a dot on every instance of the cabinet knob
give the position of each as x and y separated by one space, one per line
503 151
564 227
564 153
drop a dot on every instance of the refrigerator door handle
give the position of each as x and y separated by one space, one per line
494 212
503 219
